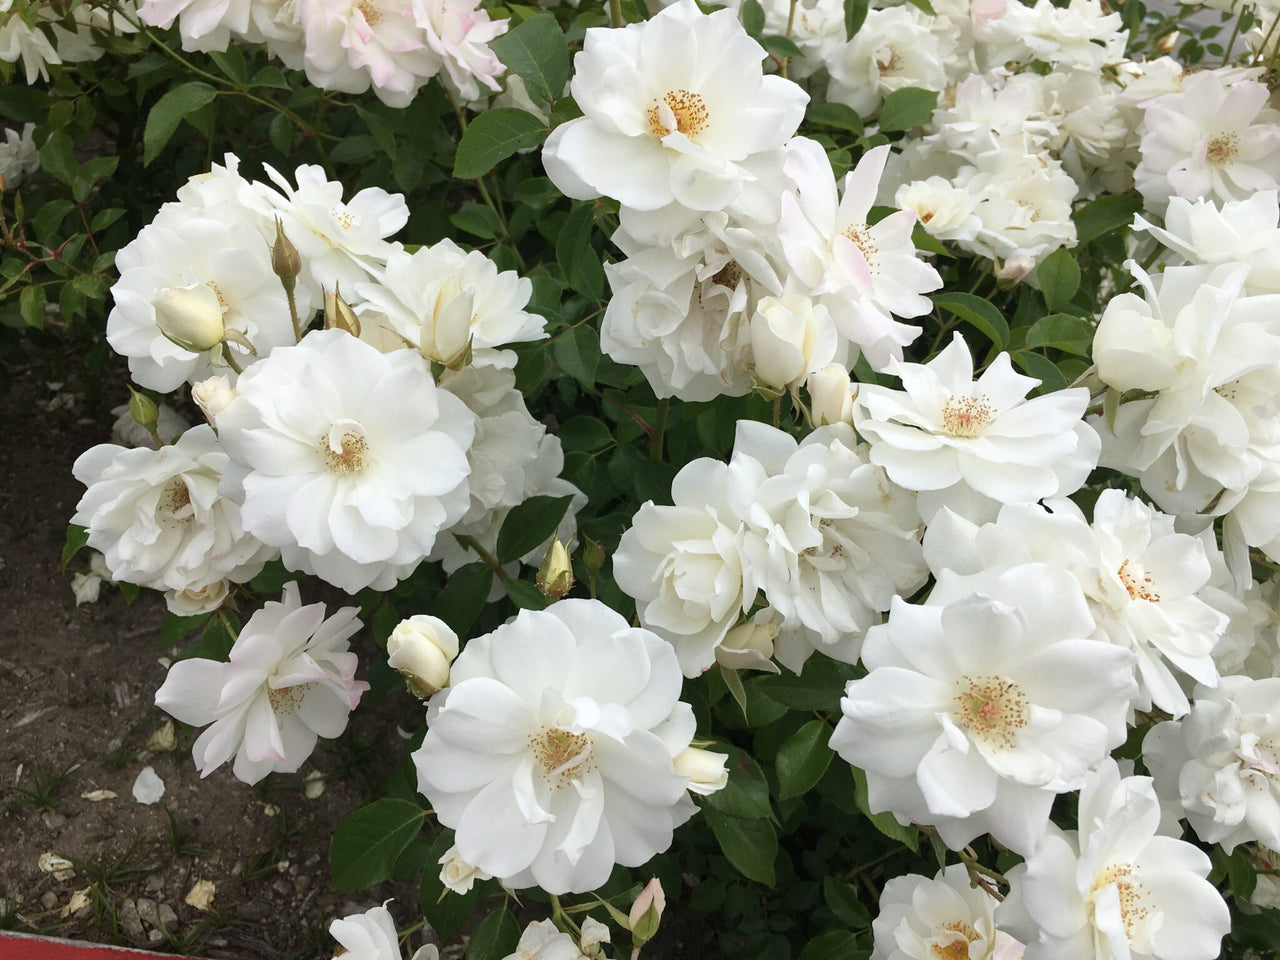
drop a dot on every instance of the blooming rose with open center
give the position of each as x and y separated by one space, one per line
985 703
671 108
289 679
349 460
552 753
949 433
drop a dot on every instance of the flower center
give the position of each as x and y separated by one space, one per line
1131 909
371 14
1138 582
953 941
344 448
966 416
860 234
728 275
1223 148
563 756
889 61
679 111
286 700
174 506
993 709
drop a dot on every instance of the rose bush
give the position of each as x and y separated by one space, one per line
782 452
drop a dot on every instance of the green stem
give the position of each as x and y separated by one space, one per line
777 412
659 429
615 14
489 559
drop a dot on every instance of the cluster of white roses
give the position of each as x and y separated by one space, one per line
744 265
43 33
317 438
353 452
391 46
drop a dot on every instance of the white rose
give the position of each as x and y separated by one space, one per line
422 648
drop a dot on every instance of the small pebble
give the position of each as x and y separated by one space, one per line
49 900
53 820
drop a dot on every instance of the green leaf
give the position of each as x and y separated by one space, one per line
577 353
230 62
885 822
57 157
819 687
494 937
270 76
525 595
585 433
781 46
477 219
280 133
843 900
924 6
1043 369
803 758
1062 332
575 253
445 910
464 596
536 51
367 842
31 306
832 945
836 115
753 17
176 629
77 537
750 845
1104 215
978 313
168 113
492 137
855 15
49 218
89 173
1059 277
746 795
105 218
528 525
907 108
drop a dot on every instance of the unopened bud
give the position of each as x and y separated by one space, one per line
456 874
212 395
285 261
592 554
1015 268
831 394
555 576
646 912
446 337
421 649
1168 42
705 769
144 411
191 316
338 313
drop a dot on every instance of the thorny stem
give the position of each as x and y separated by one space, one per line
981 876
231 360
293 314
791 19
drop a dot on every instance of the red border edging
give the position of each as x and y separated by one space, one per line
16 946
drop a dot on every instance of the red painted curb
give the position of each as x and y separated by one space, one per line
16 946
